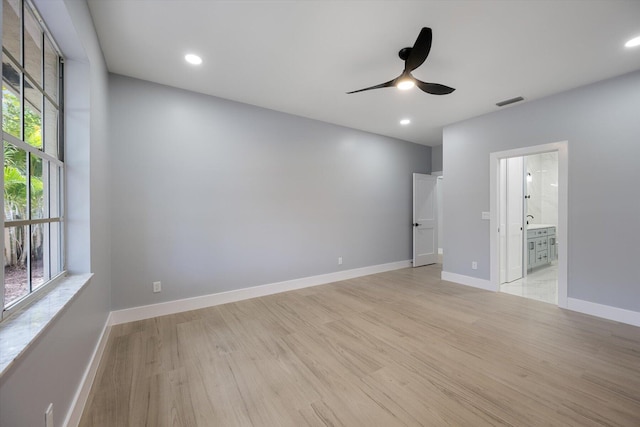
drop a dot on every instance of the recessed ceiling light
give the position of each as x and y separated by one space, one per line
405 122
633 42
193 59
405 84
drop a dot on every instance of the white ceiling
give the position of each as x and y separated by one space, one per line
300 57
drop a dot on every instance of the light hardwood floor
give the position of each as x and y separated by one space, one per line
392 349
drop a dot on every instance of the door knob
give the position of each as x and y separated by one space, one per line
415 224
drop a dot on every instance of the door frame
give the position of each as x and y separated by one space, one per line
562 148
439 192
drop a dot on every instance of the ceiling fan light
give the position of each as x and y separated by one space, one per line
633 42
193 59
405 84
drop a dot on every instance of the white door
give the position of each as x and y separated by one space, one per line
515 217
425 225
502 219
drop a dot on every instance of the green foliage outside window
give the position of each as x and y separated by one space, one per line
16 174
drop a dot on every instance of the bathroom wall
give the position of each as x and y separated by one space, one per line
543 188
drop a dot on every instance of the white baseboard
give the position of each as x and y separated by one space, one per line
594 309
469 281
605 311
82 394
187 304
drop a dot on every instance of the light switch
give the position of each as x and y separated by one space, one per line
486 215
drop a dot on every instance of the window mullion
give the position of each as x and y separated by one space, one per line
62 246
43 97
61 113
28 249
22 63
19 223
27 238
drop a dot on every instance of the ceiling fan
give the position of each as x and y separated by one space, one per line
413 57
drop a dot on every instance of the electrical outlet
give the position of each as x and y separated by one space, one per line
339 260
48 416
157 287
474 265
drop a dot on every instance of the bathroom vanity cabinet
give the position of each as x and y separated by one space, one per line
541 245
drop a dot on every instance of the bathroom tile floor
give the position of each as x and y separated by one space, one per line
540 284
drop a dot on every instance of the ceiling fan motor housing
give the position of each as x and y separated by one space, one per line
404 53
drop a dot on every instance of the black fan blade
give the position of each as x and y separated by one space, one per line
420 50
390 83
434 88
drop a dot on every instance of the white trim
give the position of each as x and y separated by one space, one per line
187 304
461 279
604 311
82 393
562 232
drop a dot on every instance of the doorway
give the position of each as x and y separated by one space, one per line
425 225
527 257
528 218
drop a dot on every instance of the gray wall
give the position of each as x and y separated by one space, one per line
211 195
436 158
52 368
601 124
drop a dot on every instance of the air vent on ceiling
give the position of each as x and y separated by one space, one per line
510 101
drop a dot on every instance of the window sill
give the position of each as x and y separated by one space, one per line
22 328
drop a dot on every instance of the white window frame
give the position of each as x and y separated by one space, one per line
34 294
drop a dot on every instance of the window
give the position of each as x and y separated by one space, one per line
32 155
